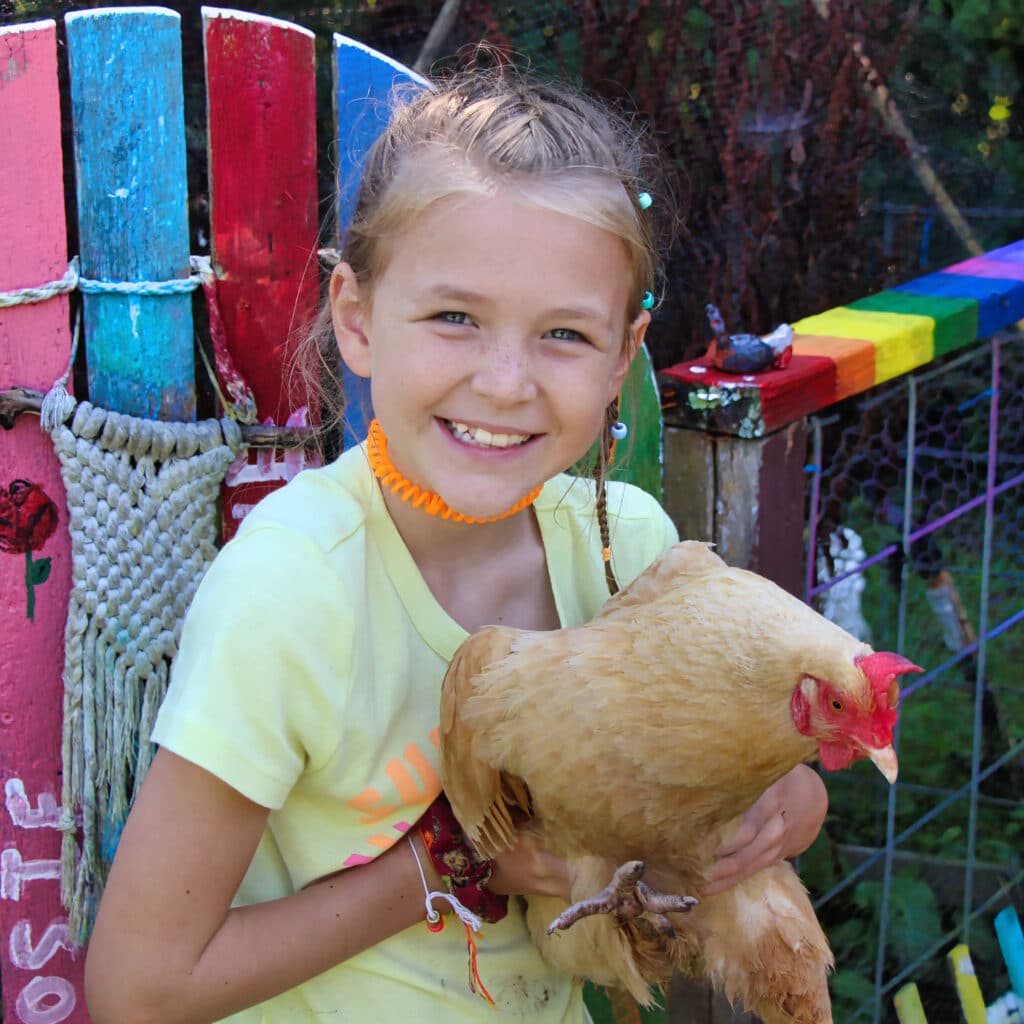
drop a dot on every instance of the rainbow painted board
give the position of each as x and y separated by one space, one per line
851 348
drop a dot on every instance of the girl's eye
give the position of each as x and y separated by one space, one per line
565 334
450 316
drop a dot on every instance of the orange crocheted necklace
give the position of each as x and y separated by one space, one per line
431 503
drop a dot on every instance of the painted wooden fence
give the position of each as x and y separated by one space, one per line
129 156
972 1009
41 978
136 276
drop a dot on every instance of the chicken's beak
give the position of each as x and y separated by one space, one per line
884 759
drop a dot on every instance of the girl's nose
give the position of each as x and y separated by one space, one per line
504 374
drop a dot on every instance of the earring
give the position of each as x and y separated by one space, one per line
618 430
648 300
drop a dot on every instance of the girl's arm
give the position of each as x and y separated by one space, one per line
783 822
168 948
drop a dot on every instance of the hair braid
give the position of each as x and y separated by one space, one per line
601 466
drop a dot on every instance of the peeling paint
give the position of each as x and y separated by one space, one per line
134 312
15 64
713 397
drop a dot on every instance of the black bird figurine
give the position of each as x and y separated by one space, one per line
748 353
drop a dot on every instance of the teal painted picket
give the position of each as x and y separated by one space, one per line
129 141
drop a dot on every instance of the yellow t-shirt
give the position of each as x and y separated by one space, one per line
308 679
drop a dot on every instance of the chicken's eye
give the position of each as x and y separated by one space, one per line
837 704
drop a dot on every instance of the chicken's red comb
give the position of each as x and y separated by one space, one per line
881 668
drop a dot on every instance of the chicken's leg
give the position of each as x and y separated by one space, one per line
626 897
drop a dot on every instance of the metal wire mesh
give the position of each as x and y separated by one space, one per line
903 876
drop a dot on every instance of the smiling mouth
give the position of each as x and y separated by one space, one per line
481 438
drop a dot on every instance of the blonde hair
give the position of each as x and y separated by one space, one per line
494 130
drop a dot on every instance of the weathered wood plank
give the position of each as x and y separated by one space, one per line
744 495
129 140
39 977
365 83
261 103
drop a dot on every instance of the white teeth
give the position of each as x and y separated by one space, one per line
484 438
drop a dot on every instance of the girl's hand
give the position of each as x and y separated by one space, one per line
783 822
528 869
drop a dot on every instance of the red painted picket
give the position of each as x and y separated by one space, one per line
261 91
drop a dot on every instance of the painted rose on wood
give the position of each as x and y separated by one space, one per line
28 518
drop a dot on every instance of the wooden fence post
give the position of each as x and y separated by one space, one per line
41 978
129 131
744 494
736 444
261 103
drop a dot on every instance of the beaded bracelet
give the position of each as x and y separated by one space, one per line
461 868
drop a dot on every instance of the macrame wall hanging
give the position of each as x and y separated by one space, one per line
142 500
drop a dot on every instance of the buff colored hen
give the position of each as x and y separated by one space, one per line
635 744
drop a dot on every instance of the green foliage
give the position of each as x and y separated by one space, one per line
993 21
959 85
914 922
850 989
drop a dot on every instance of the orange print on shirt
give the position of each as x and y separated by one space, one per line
410 790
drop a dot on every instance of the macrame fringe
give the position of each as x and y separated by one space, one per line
142 503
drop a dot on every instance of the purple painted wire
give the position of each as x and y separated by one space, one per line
961 655
923 531
881 556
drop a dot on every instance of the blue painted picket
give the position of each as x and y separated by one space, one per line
129 141
365 82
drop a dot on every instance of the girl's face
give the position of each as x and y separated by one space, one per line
494 340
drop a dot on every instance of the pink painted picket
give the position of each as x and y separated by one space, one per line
42 978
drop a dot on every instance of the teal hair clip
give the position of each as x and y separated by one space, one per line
644 200
648 300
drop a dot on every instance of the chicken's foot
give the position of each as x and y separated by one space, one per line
626 897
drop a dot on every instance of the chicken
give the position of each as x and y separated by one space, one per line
635 743
748 353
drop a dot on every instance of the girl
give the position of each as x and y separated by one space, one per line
493 290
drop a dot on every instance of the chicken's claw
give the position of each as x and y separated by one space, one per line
626 897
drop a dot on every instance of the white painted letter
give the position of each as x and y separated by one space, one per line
47 816
14 872
35 1001
55 937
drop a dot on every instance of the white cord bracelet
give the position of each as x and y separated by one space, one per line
464 914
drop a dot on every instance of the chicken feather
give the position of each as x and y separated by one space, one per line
645 735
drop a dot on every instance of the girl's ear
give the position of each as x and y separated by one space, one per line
634 339
349 317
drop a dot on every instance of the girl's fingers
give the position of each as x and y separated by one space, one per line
750 850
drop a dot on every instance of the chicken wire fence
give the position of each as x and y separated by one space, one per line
916 528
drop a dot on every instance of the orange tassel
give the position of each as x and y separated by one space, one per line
475 981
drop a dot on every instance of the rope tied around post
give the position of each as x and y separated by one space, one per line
73 279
